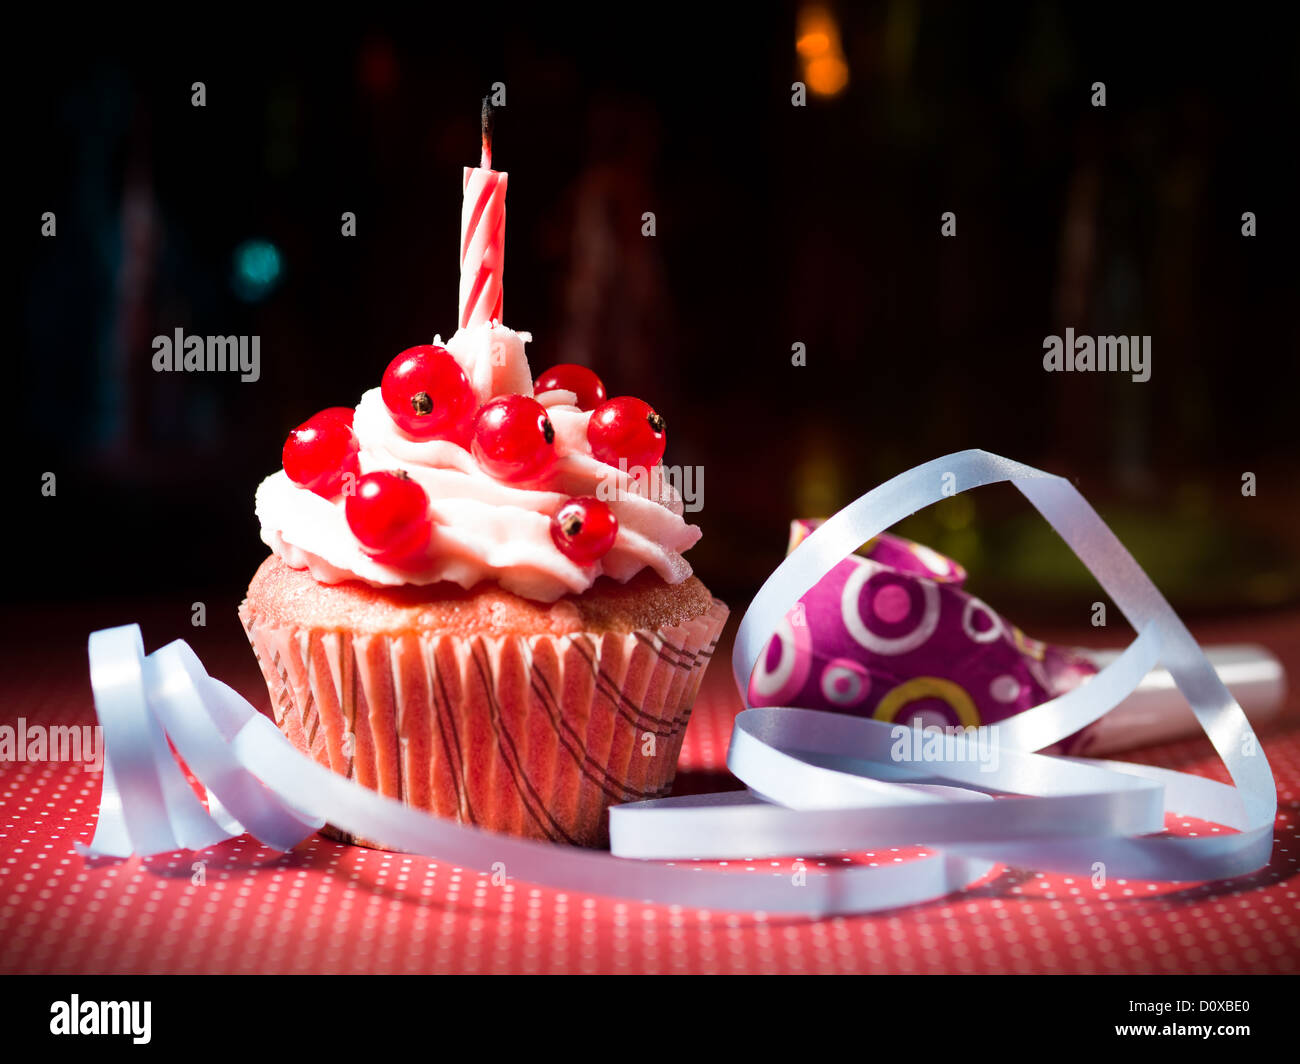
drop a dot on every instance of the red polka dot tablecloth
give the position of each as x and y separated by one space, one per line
332 908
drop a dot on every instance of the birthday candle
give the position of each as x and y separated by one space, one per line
482 236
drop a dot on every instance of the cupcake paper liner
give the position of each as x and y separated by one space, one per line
534 736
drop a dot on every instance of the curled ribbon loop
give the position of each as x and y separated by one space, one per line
817 782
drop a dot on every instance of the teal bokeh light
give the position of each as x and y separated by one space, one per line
258 265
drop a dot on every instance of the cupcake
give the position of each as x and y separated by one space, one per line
477 601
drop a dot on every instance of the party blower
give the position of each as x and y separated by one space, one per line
891 633
852 631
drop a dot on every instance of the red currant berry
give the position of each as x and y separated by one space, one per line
573 378
513 438
628 429
584 530
337 413
428 394
318 454
389 515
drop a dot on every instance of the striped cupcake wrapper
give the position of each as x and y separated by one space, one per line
535 736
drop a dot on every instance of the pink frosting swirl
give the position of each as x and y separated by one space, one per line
484 529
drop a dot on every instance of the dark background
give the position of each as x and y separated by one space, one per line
775 225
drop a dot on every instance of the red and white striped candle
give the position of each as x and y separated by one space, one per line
482 236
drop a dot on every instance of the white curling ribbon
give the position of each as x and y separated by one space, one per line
817 782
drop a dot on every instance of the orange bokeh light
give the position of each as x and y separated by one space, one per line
811 45
817 41
827 75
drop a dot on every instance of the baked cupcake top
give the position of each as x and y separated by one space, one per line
459 469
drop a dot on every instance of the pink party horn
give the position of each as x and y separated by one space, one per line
892 634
